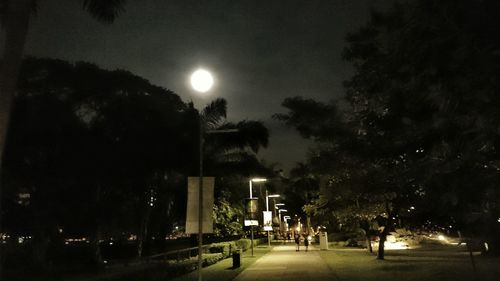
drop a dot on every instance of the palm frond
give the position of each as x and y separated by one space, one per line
214 114
251 135
104 10
254 133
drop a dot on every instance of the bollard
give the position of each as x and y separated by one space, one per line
236 259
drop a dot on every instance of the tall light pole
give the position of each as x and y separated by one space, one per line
267 209
286 218
279 215
201 81
277 206
250 191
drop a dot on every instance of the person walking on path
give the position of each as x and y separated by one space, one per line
306 241
297 241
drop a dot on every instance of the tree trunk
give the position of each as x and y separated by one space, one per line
96 248
385 231
96 235
364 225
383 238
369 243
16 22
41 244
143 232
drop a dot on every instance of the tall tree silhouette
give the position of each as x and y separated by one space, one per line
15 18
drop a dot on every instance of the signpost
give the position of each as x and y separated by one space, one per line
251 212
193 205
268 220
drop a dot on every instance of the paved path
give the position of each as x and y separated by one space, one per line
284 263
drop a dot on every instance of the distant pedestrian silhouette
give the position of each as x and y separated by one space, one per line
306 241
297 241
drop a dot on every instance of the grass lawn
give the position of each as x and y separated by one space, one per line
425 264
223 271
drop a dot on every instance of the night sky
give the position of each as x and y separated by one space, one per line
260 51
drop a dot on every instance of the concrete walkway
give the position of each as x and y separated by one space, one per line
284 263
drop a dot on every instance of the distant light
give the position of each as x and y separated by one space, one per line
176 227
202 81
498 219
110 243
441 237
412 208
258 180
392 245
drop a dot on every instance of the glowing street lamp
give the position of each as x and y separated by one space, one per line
279 214
286 218
267 210
251 197
254 180
270 196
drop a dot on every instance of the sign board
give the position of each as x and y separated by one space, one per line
251 222
251 208
193 206
268 220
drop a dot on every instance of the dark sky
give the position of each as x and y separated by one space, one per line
260 51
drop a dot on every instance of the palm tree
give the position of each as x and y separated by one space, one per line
231 151
230 157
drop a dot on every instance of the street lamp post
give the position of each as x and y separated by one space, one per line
267 209
250 191
279 215
277 206
286 218
201 81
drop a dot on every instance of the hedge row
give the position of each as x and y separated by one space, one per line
171 268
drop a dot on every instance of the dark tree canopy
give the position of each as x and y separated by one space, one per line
420 128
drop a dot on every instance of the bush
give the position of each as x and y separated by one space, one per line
244 244
171 268
226 248
209 259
